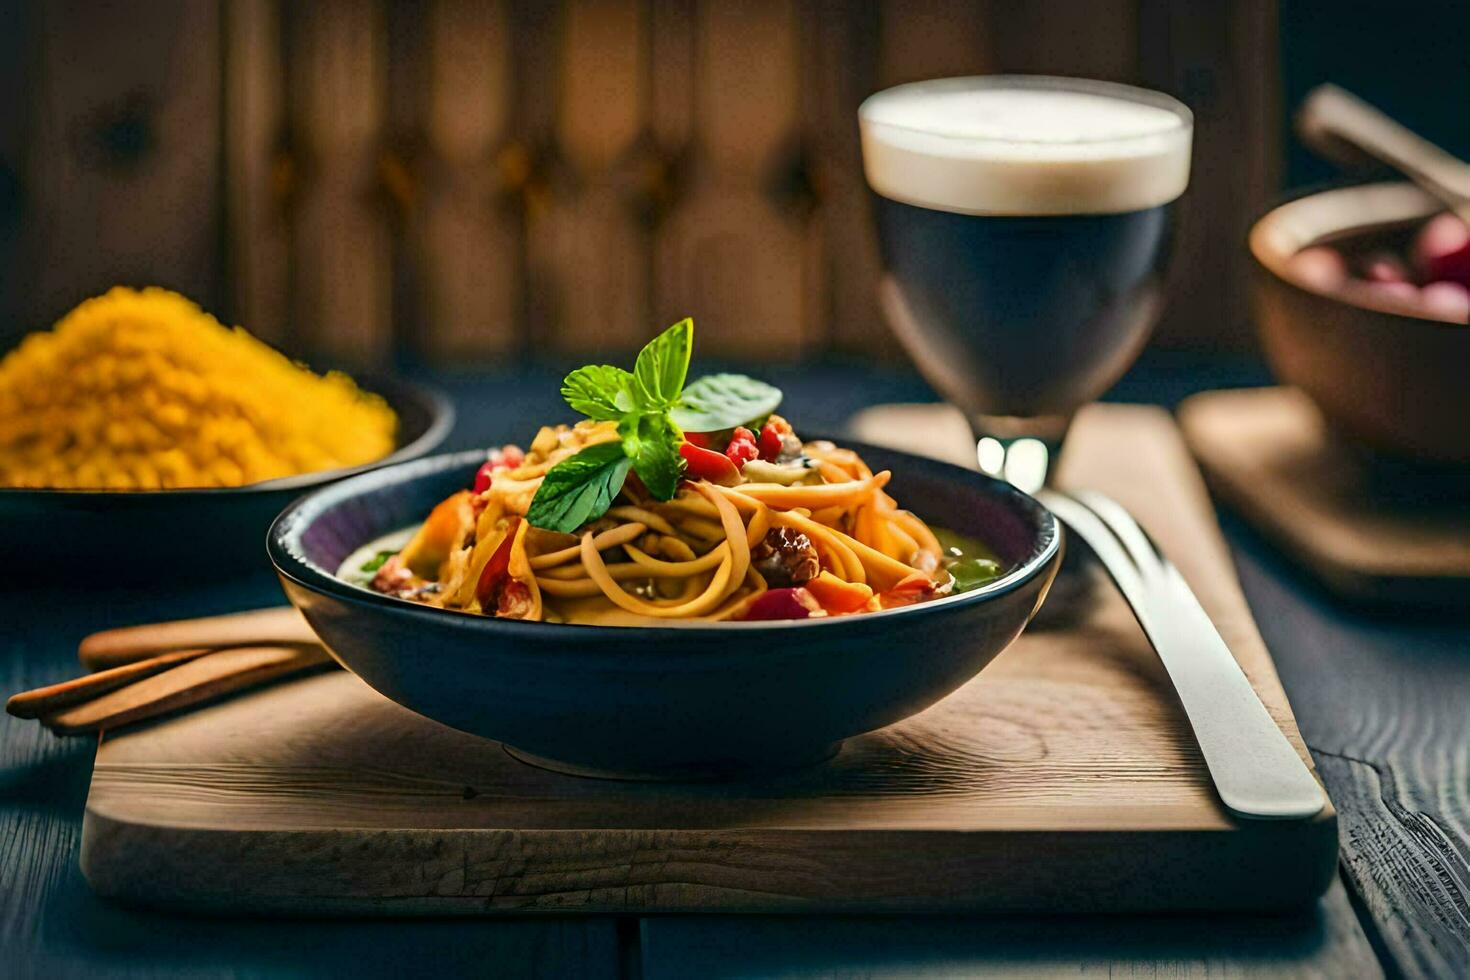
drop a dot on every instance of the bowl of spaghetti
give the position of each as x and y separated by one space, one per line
662 594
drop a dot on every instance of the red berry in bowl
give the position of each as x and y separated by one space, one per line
1393 293
1318 267
1385 267
1446 301
1442 250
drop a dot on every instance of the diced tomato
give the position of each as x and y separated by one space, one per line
505 458
515 601
706 464
742 448
794 603
770 442
483 476
496 573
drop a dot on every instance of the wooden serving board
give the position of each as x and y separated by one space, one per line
1062 778
1360 530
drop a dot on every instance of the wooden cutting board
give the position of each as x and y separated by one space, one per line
1365 532
1062 778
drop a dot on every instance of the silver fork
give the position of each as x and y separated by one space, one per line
1255 769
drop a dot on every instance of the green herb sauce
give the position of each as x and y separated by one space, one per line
970 562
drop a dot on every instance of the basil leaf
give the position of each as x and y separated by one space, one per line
663 365
971 573
599 391
723 401
579 489
652 443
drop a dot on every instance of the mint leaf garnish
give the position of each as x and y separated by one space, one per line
652 407
599 391
652 443
580 488
723 401
663 364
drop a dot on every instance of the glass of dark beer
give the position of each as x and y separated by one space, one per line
1024 223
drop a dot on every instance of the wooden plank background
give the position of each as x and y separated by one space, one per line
462 180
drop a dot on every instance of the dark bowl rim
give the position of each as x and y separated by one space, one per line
395 391
1271 263
282 545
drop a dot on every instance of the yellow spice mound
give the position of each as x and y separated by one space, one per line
144 390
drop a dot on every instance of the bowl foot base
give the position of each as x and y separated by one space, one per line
683 773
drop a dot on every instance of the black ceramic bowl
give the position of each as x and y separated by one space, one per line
674 701
148 536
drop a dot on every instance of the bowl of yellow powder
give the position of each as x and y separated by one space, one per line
142 433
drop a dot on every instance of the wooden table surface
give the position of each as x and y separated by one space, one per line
1381 700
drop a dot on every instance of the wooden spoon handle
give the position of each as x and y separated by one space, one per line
1331 118
281 625
49 700
201 679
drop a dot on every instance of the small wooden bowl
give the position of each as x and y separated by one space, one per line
1390 381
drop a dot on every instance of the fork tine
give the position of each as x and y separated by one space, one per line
1145 556
1091 529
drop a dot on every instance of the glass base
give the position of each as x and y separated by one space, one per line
1021 451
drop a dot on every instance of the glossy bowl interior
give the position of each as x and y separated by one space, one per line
675 701
1391 382
152 536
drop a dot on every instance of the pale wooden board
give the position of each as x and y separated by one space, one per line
1268 452
1063 777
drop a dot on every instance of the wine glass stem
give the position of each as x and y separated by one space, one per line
1021 451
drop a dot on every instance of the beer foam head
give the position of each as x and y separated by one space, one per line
1026 145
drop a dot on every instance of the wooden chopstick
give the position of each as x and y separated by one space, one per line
278 626
49 700
143 671
200 679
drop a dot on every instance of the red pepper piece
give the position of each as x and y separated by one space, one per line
793 603
496 572
700 439
706 464
742 448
